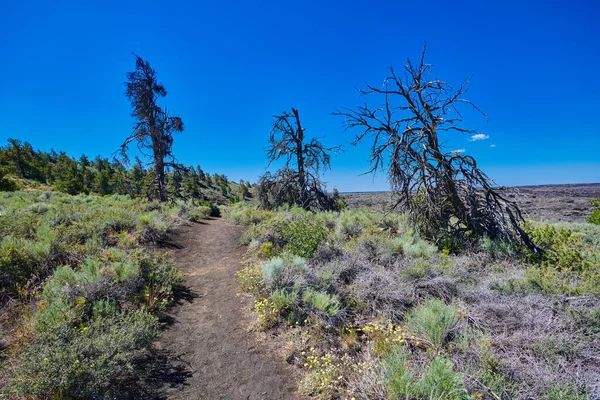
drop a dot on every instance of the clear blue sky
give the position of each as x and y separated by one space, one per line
229 66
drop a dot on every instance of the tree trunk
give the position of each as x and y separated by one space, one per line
300 160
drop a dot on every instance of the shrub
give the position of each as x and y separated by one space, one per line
570 263
434 320
194 213
19 260
243 215
8 185
324 375
595 217
563 249
267 314
439 381
280 272
272 272
161 278
251 280
303 236
85 361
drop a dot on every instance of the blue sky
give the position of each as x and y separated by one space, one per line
229 66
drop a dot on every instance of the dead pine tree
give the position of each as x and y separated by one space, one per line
154 128
298 182
447 197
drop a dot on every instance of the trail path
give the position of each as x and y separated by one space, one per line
208 335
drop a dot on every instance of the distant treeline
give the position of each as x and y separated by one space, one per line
107 176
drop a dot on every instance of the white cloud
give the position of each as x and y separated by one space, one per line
492 145
458 151
479 136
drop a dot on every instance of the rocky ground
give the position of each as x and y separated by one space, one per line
569 203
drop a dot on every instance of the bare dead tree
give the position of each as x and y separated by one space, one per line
154 128
298 182
283 188
444 192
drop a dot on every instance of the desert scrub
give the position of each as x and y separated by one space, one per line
241 214
91 322
194 213
85 360
570 263
376 294
86 337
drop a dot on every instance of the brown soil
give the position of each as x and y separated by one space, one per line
207 335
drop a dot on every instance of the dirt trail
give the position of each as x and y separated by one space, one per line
208 334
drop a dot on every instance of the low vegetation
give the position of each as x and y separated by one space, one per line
372 311
595 217
80 288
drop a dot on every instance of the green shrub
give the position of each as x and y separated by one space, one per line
570 263
439 381
161 278
595 217
268 229
243 215
563 248
418 269
8 185
434 320
303 236
570 391
19 260
85 361
194 213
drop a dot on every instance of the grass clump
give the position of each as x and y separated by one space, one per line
434 320
438 381
321 301
283 300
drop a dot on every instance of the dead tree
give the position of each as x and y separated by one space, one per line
154 128
298 182
444 192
